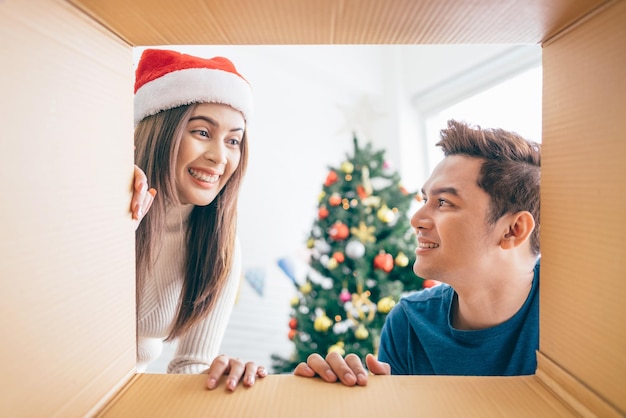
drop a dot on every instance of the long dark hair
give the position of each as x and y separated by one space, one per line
211 229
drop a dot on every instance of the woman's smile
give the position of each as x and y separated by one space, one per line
203 177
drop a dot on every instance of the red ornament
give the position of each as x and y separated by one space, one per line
293 323
334 199
339 231
339 257
384 262
430 283
331 178
322 212
360 190
292 333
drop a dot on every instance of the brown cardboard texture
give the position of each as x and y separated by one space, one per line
290 396
67 256
143 22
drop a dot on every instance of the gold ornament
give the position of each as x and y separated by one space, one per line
337 348
364 233
372 201
361 305
385 304
322 323
306 288
321 196
310 243
361 332
295 301
385 214
402 260
332 264
347 167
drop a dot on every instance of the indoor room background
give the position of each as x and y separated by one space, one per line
309 101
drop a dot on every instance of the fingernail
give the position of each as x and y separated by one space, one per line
250 380
349 378
330 375
211 383
231 384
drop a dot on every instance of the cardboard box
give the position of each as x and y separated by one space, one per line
66 242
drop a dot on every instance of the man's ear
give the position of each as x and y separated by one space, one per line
520 226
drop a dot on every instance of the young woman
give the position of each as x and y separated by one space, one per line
191 145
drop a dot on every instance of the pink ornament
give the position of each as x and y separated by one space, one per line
345 296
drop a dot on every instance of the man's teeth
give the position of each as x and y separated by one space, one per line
428 245
203 177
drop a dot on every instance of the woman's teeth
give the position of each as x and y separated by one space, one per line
198 175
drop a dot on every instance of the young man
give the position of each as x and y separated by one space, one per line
478 233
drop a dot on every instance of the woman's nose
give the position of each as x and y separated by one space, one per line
216 152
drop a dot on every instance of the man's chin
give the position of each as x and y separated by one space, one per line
423 272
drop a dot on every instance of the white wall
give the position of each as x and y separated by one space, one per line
308 100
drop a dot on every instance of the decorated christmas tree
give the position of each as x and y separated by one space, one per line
362 250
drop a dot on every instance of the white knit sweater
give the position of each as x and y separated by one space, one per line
159 299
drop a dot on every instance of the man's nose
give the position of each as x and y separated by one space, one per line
420 218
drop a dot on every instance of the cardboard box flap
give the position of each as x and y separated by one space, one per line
276 396
335 22
67 262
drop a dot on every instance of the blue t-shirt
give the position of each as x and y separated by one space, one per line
418 338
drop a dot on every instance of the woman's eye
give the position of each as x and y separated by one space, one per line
234 141
201 132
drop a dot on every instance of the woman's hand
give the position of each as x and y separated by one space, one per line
348 370
236 372
142 196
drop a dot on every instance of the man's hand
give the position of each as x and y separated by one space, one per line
348 370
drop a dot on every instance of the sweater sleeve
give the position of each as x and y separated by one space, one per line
197 348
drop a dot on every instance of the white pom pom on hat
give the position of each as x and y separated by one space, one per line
166 79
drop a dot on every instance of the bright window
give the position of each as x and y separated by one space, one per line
513 104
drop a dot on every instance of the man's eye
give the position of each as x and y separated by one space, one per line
442 202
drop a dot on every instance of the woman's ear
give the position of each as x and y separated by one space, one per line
520 226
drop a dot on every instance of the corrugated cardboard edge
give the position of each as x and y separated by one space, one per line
565 386
99 21
113 395
571 391
574 24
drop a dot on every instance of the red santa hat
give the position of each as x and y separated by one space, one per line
166 79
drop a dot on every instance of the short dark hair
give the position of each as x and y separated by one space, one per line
511 171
